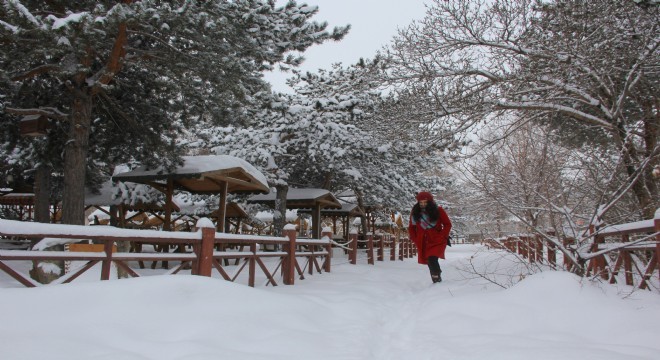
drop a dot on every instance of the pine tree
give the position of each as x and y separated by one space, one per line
122 79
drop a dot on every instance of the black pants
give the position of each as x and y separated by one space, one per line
434 266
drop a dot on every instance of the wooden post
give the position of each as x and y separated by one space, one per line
392 247
370 249
353 254
316 221
222 207
326 265
253 264
167 224
289 263
105 266
381 248
204 250
401 241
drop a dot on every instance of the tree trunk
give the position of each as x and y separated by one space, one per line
75 159
44 271
279 217
42 194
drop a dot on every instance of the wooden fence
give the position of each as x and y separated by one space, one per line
379 243
627 253
203 259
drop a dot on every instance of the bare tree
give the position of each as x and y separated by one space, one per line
587 68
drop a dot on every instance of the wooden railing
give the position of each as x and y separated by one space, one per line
627 253
202 260
379 243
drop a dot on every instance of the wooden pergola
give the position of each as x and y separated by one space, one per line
206 174
346 212
312 199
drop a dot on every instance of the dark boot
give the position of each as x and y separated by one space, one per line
436 278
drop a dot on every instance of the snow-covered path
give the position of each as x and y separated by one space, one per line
387 311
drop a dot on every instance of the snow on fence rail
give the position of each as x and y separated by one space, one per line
203 259
634 260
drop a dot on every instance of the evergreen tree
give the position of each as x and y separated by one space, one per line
121 79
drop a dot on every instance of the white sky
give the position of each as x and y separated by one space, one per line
373 24
386 311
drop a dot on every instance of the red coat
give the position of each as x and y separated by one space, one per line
432 241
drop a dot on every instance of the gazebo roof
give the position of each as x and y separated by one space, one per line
346 210
203 175
301 199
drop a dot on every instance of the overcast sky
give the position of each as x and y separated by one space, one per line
373 24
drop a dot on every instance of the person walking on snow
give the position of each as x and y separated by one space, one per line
429 229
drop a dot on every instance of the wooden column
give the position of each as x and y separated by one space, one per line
222 207
252 264
316 221
167 225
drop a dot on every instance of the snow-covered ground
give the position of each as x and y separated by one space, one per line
386 311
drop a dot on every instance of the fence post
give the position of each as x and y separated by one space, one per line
327 232
400 239
381 248
370 249
289 263
204 251
353 254
392 239
105 266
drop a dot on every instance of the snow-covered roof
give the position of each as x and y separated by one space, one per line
204 174
346 210
301 198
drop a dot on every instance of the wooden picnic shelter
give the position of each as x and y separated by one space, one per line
346 212
21 203
203 174
303 198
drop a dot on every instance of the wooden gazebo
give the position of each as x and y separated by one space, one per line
312 199
206 174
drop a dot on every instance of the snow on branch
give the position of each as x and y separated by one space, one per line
574 113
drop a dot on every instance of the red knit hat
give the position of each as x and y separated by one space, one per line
424 195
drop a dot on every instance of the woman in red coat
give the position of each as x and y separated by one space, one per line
429 229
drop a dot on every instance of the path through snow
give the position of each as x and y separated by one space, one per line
387 311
